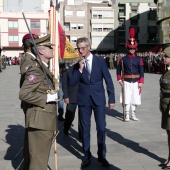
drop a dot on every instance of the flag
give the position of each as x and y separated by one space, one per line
53 30
66 50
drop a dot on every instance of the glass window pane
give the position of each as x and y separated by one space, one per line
16 38
15 24
10 38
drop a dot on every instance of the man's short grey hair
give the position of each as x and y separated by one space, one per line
83 39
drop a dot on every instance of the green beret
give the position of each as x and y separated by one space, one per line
44 41
167 52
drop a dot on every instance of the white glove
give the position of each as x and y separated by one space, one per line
52 97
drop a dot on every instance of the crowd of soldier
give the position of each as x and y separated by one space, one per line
2 63
8 61
153 61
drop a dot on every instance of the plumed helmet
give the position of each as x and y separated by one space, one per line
131 43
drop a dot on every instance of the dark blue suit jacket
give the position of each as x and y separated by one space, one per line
94 87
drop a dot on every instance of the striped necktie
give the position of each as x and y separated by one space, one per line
88 68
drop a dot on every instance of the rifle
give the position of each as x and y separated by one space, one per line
51 91
123 93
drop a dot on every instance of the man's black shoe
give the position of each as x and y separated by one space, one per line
104 162
85 163
61 118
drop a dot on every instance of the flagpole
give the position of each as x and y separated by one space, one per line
54 65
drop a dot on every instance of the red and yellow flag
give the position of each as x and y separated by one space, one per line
66 50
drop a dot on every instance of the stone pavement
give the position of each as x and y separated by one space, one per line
130 146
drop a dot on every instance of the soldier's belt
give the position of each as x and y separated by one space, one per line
164 95
131 76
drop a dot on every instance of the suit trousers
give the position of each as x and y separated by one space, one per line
69 115
85 113
39 142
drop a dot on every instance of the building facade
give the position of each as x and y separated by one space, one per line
107 23
92 20
163 20
13 26
139 14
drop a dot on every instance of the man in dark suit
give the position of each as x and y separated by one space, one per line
91 96
70 98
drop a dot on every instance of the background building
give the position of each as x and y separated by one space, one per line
139 14
106 23
12 24
93 20
163 18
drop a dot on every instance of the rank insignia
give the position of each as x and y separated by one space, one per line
32 79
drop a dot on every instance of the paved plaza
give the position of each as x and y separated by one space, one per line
130 145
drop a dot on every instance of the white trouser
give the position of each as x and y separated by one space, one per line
127 110
132 94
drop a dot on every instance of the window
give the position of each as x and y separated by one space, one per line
122 23
97 27
13 24
66 27
152 15
73 26
108 14
73 39
68 13
35 24
105 27
13 38
80 26
121 38
152 29
97 14
133 22
81 13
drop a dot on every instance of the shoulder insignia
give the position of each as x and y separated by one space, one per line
32 79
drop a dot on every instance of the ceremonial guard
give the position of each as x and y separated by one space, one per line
38 105
130 75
